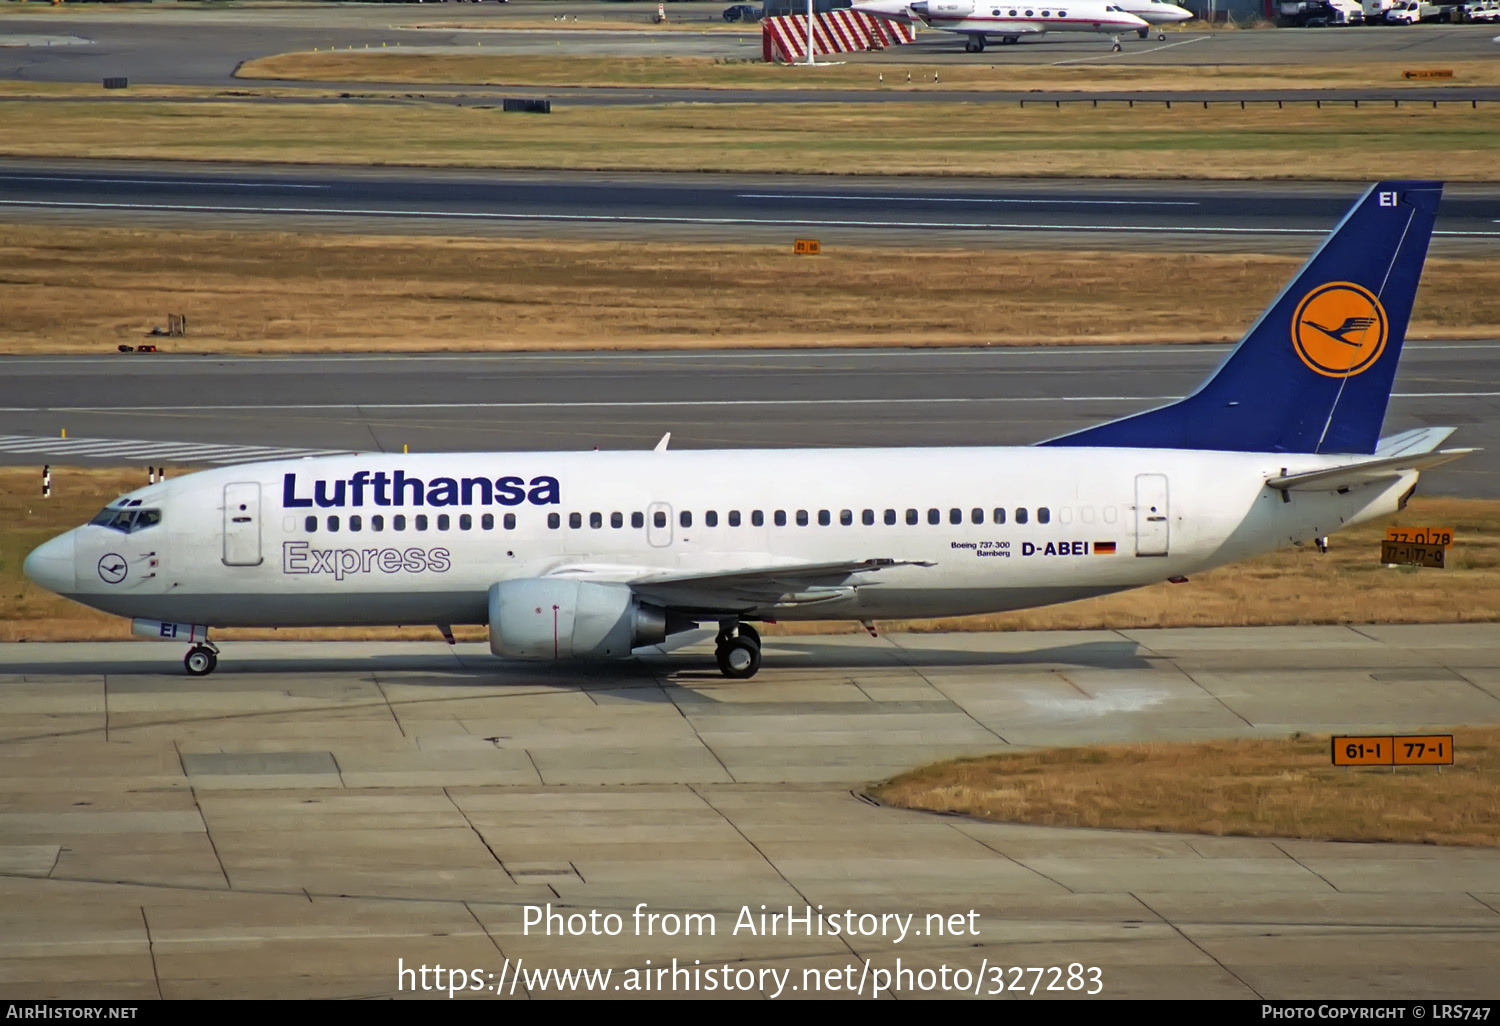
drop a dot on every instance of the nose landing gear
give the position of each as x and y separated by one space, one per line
737 649
201 659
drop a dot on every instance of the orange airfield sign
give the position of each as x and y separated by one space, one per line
1394 750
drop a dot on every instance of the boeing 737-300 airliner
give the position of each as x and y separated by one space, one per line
589 555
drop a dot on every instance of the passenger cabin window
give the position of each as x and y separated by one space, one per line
802 518
399 522
617 520
955 516
757 518
711 518
487 522
356 523
1043 515
1021 514
976 516
377 522
554 521
510 521
310 524
637 520
442 521
596 520
333 523
999 515
420 521
912 517
734 518
659 518
465 522
780 518
934 516
867 517
685 518
846 517
890 517
824 518
575 520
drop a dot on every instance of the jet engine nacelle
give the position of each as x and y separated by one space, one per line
558 618
929 9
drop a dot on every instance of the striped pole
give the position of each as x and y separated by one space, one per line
151 475
47 481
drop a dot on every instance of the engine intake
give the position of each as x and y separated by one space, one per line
558 618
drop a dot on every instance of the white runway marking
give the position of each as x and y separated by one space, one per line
975 199
1133 53
191 452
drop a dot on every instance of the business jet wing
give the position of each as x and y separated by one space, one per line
729 589
1364 472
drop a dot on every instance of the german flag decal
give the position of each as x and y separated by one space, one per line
1104 548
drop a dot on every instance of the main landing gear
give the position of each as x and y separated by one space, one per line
201 659
1161 37
974 44
737 649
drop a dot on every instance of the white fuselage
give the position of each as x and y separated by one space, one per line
1155 12
334 540
974 18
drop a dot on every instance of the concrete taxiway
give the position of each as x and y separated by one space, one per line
313 815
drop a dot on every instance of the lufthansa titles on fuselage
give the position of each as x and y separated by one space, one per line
398 489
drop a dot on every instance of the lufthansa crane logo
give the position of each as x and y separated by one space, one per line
1339 329
112 569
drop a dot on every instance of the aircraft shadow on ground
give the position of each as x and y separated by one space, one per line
444 669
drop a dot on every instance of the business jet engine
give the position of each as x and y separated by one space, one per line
559 618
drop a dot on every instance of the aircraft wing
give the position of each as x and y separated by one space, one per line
728 590
1364 472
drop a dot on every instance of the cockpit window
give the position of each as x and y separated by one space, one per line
127 521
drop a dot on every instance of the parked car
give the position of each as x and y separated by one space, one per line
741 12
1487 10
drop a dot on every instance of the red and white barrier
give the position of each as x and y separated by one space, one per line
785 39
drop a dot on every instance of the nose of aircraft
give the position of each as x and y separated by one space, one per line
51 565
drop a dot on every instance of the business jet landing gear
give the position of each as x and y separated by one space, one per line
737 649
201 659
974 44
1161 37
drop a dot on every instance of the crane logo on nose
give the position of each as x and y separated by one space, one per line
113 568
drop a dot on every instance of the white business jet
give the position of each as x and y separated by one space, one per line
977 21
1155 13
590 555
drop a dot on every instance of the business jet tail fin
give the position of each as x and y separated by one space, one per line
1314 374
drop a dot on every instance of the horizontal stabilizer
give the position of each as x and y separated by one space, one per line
1416 440
1367 472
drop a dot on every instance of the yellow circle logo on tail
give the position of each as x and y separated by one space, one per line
1339 329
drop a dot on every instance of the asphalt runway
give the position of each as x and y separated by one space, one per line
771 399
315 817
1271 217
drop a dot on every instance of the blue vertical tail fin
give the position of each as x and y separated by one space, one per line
1314 374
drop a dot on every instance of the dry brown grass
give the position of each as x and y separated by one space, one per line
392 65
1259 788
87 290
1347 585
1335 143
